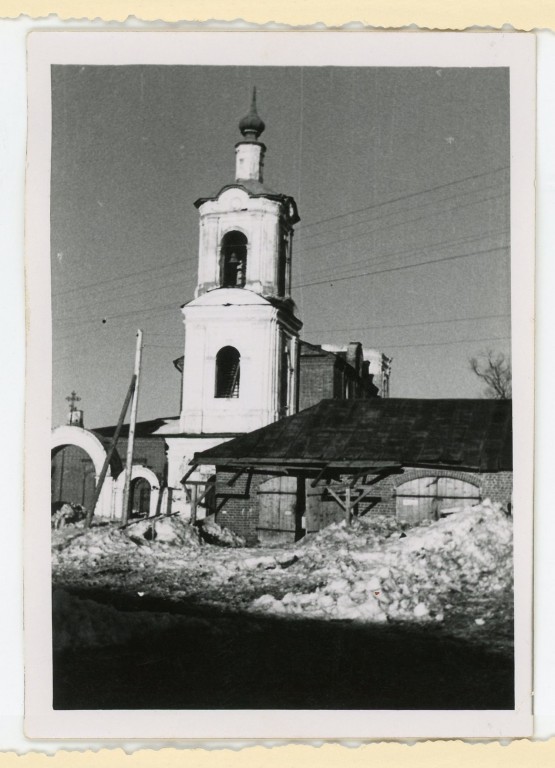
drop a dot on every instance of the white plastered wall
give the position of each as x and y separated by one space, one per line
253 329
88 442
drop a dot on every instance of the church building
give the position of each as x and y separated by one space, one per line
244 365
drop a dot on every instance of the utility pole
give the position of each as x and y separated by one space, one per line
131 438
110 453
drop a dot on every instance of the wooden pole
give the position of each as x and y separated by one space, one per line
110 453
131 438
348 511
194 504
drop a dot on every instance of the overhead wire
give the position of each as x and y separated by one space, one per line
403 223
406 197
448 343
469 318
114 279
457 196
377 259
332 280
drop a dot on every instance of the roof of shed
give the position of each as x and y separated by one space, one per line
469 434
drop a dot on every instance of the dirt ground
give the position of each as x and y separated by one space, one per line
365 617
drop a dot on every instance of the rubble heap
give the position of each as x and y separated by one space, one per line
408 577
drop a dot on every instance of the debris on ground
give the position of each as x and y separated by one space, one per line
172 530
379 574
213 533
67 514
454 574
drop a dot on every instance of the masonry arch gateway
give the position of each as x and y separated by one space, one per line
88 442
139 472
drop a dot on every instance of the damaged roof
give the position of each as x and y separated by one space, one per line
465 434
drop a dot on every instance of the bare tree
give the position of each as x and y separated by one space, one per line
494 369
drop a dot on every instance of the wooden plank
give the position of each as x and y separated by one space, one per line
188 474
278 504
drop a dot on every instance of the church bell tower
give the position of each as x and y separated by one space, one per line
240 369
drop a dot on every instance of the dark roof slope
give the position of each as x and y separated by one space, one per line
469 434
142 429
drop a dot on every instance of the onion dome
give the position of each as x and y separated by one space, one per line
252 125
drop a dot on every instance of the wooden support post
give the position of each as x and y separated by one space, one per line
335 496
188 474
131 439
348 510
236 476
110 453
194 504
203 494
318 477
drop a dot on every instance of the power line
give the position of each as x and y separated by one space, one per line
160 309
109 292
114 279
407 325
331 281
375 206
432 246
95 303
447 343
144 310
405 197
149 316
458 195
400 223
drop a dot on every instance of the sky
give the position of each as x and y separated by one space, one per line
401 176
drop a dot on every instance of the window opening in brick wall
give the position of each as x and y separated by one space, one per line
228 372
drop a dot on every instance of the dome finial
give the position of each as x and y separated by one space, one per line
251 126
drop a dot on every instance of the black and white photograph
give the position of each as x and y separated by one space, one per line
283 336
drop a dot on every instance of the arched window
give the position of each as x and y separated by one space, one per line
233 260
228 371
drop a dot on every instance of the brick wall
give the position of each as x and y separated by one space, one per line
237 504
496 486
149 451
316 380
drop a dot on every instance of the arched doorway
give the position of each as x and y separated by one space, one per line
430 497
140 497
144 493
72 477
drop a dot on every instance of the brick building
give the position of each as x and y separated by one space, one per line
416 459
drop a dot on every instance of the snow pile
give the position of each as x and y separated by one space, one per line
99 540
363 532
412 576
213 533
